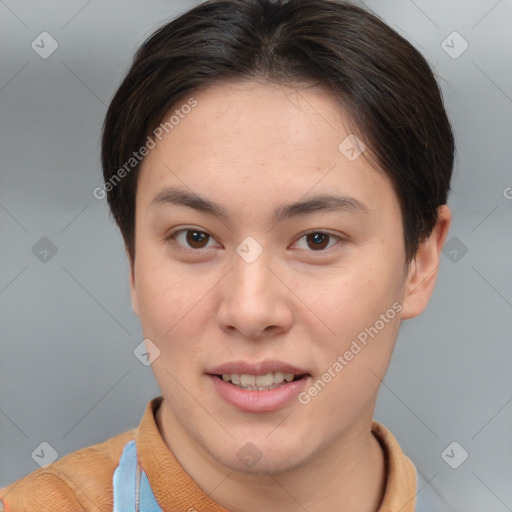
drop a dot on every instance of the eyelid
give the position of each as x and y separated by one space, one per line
172 236
339 238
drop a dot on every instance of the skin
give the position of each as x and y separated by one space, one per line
251 147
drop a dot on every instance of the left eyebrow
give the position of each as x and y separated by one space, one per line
324 202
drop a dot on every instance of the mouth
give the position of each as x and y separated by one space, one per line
262 382
258 387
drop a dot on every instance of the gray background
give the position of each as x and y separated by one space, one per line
68 375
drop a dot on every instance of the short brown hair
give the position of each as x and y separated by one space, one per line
385 85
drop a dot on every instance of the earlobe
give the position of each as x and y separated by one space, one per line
423 270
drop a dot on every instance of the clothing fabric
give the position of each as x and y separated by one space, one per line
132 491
90 479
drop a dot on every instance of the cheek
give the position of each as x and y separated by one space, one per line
158 294
365 316
172 309
353 298
362 312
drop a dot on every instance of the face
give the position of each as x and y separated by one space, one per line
265 253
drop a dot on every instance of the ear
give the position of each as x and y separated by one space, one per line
423 269
133 290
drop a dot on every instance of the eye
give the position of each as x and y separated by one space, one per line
191 238
195 239
318 240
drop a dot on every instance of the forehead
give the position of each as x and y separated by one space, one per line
258 139
240 117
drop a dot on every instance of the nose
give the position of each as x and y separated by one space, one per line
255 303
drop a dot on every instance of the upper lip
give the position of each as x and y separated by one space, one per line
256 368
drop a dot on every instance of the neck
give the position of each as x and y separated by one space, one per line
345 476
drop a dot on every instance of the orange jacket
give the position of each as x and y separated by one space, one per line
82 481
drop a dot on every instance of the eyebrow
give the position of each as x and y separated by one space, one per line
318 203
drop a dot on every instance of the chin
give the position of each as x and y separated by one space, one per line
270 465
262 456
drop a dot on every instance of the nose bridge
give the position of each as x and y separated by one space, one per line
251 275
252 299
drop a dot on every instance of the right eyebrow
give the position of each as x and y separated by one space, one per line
171 195
322 202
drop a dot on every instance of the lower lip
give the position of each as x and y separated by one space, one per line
259 401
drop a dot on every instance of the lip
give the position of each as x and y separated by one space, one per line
257 368
258 401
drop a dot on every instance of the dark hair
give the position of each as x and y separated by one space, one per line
384 84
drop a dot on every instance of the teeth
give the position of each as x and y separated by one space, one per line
278 377
247 380
265 380
258 382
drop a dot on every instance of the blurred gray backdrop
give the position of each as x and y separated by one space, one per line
68 375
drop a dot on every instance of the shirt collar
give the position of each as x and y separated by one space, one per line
174 489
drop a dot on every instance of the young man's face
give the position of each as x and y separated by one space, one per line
251 293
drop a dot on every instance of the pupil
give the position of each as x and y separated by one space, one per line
317 239
195 238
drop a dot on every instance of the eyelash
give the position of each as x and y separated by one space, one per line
172 237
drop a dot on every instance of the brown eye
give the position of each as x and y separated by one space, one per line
191 238
197 239
317 241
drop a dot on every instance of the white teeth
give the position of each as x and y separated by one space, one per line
265 380
258 382
278 377
247 380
